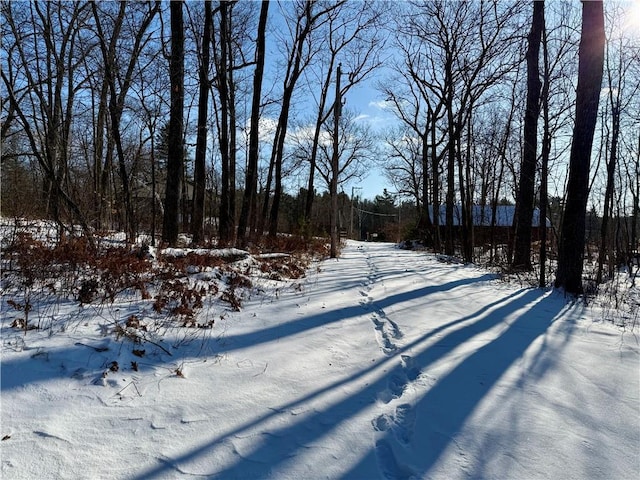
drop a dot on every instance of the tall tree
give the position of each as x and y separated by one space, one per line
622 89
420 110
559 50
353 35
307 16
590 71
41 82
526 187
175 154
251 177
200 174
119 85
226 129
469 48
544 161
297 61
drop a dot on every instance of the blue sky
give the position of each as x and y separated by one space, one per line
363 99
367 102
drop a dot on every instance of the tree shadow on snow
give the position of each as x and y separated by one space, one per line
81 360
449 402
440 415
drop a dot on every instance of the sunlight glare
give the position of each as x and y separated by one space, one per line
633 17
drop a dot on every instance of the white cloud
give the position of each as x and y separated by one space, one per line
379 104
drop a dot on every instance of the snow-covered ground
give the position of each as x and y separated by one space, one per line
383 364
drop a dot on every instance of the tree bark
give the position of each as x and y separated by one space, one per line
435 189
223 87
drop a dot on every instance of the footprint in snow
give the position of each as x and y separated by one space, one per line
404 423
381 423
391 468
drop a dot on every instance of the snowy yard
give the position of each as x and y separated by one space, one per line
383 364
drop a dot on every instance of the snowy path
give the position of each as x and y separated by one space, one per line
385 364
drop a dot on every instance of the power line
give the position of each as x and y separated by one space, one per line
376 214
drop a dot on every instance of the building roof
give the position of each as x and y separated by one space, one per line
482 215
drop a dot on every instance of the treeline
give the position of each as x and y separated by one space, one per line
527 101
227 120
185 112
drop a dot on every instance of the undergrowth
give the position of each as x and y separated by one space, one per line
617 298
185 289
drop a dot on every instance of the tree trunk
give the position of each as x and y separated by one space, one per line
605 240
99 157
262 219
451 166
249 206
175 154
231 219
544 174
435 189
425 225
635 194
294 70
277 166
333 187
200 173
590 69
526 190
224 233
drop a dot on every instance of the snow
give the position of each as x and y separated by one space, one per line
382 364
222 252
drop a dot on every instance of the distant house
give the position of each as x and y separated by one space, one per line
485 230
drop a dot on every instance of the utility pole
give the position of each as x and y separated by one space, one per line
353 189
333 187
398 196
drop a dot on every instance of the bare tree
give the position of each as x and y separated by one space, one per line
544 160
415 104
199 175
622 89
251 179
590 68
352 35
229 52
526 186
41 84
151 93
306 17
175 157
471 47
119 84
403 164
226 128
559 50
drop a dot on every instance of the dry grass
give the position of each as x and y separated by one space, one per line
171 286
